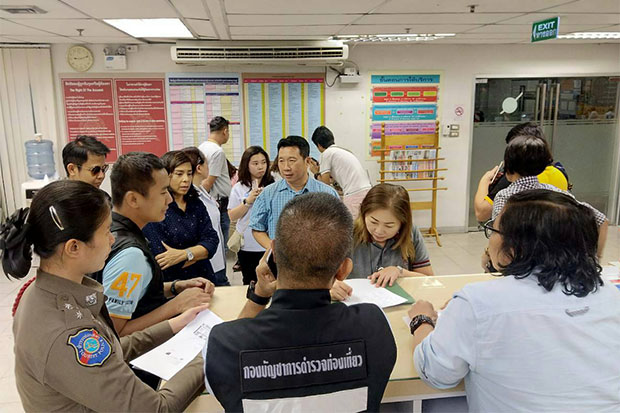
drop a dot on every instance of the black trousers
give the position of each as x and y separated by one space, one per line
249 261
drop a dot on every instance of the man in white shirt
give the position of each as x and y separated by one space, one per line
218 183
545 336
342 166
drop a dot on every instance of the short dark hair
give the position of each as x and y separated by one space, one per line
218 123
76 151
133 171
522 129
174 159
60 211
551 236
323 136
295 141
527 156
323 226
195 155
244 167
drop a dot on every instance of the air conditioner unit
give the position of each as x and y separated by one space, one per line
308 52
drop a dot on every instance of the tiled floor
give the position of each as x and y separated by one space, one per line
460 254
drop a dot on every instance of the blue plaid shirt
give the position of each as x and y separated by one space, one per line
271 202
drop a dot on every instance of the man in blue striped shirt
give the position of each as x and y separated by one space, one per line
293 156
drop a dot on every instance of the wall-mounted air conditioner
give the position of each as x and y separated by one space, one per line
307 52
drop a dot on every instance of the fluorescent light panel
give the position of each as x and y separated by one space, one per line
405 37
591 35
151 27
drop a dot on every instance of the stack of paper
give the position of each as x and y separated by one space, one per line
170 357
365 292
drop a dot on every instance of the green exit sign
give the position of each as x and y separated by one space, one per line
545 29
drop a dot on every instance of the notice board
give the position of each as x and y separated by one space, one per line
278 105
126 114
408 104
196 98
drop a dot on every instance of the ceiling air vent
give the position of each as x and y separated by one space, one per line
23 9
312 52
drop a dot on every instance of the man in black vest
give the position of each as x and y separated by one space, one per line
303 353
137 297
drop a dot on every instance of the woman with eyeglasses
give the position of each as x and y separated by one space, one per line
545 336
68 356
84 160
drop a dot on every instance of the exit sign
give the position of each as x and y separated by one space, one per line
545 29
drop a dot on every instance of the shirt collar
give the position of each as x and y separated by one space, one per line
526 180
300 299
88 294
285 186
122 222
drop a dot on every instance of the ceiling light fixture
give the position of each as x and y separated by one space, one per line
591 35
159 28
405 37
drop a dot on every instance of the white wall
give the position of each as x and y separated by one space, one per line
346 105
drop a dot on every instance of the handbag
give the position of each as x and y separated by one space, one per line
235 242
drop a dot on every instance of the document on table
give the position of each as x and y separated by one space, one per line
169 358
365 292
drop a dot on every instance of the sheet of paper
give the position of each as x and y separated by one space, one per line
365 292
170 357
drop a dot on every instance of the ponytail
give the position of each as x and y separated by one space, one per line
15 244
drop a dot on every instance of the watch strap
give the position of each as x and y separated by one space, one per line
173 288
418 320
252 296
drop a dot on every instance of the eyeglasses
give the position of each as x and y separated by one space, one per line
95 170
488 228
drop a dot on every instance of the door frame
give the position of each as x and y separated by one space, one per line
614 209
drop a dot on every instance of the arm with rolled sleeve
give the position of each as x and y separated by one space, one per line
448 353
259 220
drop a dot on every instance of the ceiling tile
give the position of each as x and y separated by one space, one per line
290 19
123 9
582 18
285 30
459 6
589 6
54 8
443 18
42 39
191 9
201 27
300 6
414 28
9 28
68 27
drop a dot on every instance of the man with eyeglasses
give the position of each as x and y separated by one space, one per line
84 160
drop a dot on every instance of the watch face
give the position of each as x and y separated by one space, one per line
80 58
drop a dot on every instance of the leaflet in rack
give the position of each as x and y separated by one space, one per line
196 98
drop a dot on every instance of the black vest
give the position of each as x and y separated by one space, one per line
301 345
129 235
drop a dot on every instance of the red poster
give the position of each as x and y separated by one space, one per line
141 106
89 110
410 94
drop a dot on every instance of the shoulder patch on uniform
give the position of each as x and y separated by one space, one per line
91 349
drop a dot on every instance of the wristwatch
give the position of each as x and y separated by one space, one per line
190 254
251 295
418 320
245 202
173 288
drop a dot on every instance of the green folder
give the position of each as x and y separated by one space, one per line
398 290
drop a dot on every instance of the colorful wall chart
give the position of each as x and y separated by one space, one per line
406 103
126 114
278 105
196 98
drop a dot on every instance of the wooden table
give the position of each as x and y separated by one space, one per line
405 383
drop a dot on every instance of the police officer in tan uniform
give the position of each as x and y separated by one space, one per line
67 354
